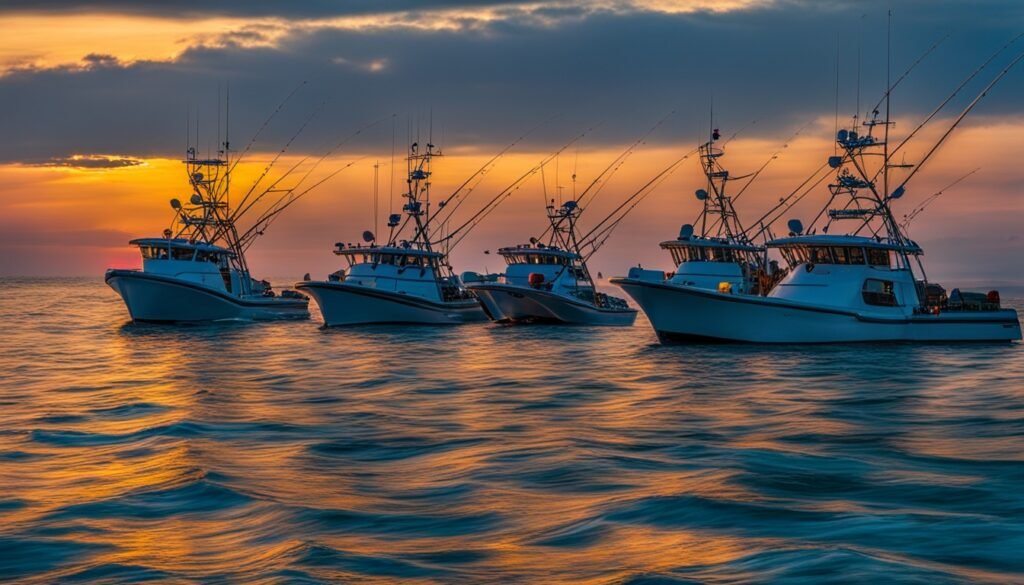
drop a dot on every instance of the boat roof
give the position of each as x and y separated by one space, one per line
845 240
537 251
342 249
179 243
699 242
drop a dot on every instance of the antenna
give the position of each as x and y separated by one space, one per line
835 145
888 107
376 216
227 144
391 186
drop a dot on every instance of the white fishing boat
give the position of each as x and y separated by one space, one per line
198 271
722 256
866 285
404 281
551 282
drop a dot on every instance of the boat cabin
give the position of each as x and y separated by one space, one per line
201 263
851 272
398 269
545 266
715 263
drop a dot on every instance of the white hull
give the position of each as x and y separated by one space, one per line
349 304
509 302
165 299
689 314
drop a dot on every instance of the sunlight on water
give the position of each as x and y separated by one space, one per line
283 451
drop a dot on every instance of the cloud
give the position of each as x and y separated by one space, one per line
89 161
504 67
283 8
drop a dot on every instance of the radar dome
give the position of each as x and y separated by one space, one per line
701 194
685 232
796 226
175 204
368 236
196 199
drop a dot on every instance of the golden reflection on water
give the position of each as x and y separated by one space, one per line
467 454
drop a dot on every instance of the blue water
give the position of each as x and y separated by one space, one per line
480 453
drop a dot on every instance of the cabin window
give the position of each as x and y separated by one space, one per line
877 257
839 254
182 253
154 252
819 255
879 293
855 255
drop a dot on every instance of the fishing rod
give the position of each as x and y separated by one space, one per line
931 199
963 114
243 209
737 133
608 172
753 176
942 105
587 237
269 216
309 171
270 165
909 69
775 155
788 202
483 170
619 161
491 205
265 124
647 189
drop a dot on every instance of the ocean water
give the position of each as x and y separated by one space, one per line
284 452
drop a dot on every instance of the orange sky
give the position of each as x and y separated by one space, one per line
77 221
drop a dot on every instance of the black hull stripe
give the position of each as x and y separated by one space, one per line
788 306
216 293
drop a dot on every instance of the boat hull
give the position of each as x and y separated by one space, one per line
348 304
164 299
683 313
507 302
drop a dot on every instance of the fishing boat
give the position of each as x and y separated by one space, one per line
551 282
403 281
715 252
867 284
198 271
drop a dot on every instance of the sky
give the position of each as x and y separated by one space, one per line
97 100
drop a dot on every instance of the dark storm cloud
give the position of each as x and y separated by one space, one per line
486 83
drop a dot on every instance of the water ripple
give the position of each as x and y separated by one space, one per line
286 452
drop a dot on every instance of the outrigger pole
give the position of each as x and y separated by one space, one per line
466 227
461 194
630 203
610 170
